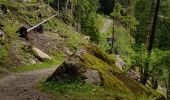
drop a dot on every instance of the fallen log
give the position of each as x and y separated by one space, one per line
23 31
32 28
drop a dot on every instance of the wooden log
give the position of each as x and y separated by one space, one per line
32 28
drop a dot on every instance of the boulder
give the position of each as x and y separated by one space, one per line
120 64
93 66
40 54
2 34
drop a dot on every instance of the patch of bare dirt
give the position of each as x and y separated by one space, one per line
47 42
22 86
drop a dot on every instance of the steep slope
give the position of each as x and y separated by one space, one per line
57 36
93 59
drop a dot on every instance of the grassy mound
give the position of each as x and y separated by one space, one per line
113 80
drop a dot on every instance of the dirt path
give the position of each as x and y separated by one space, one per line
22 86
106 25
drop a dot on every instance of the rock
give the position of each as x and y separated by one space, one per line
92 77
80 52
120 64
71 71
40 54
2 34
93 66
68 51
133 74
32 61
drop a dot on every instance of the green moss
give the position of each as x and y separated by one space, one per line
112 77
78 91
99 53
107 73
72 39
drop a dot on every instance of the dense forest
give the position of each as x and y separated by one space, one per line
84 49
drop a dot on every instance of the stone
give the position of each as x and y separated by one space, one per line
80 52
1 33
120 64
32 61
92 77
40 54
93 66
68 51
72 71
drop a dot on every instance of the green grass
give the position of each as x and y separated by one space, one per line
77 91
83 91
47 64
72 39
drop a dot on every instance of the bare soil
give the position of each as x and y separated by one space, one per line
23 86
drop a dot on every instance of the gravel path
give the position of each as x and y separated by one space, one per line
106 26
22 86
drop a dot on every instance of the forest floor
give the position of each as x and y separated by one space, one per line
23 86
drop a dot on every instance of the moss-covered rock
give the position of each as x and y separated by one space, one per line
111 78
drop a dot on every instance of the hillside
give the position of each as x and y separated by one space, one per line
84 50
57 36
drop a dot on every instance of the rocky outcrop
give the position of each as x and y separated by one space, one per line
92 65
40 54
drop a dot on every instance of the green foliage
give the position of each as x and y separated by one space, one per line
117 11
78 90
112 80
139 57
160 64
162 36
103 43
145 97
142 11
3 56
71 89
128 21
87 17
72 38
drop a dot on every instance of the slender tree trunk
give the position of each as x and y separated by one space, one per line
154 82
58 4
150 42
150 22
113 32
66 7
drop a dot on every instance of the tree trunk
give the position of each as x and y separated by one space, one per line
150 42
58 5
113 32
150 22
154 83
67 4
